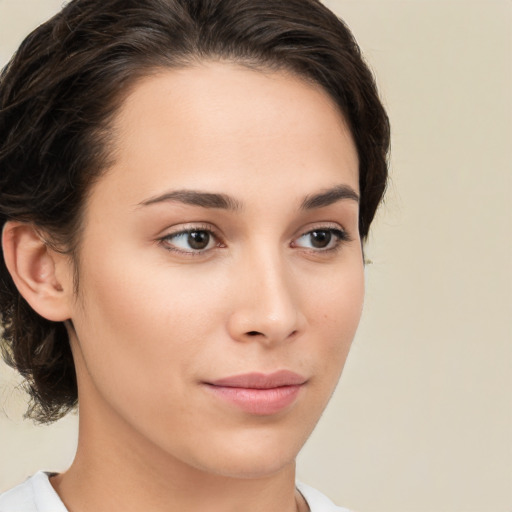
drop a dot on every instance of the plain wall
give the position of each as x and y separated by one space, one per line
422 418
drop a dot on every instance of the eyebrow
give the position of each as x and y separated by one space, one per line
226 202
196 198
329 196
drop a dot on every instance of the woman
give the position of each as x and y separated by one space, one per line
185 190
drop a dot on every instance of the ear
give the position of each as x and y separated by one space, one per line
42 276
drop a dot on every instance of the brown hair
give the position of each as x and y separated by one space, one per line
65 83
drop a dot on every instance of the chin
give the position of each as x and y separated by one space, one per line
246 466
251 455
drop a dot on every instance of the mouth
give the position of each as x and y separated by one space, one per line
259 393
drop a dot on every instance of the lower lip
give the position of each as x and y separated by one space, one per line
258 401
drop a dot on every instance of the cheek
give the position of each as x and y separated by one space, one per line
334 313
140 330
339 305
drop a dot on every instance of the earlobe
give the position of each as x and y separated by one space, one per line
41 275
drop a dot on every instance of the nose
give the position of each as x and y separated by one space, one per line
266 302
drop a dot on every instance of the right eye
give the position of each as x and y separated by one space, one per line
190 241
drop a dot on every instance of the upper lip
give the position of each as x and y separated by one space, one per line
257 380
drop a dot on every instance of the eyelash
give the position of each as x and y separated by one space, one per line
341 237
165 240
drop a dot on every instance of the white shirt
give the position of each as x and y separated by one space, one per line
37 495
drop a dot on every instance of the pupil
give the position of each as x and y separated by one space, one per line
198 239
320 239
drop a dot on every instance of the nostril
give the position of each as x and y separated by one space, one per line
257 333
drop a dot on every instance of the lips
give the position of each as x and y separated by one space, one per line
259 393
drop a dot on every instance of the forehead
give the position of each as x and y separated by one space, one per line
215 124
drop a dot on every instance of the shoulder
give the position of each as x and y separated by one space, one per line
317 501
34 495
37 495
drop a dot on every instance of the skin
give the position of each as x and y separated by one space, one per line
154 319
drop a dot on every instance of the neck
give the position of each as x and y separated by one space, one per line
117 469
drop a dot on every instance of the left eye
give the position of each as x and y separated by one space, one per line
321 239
191 241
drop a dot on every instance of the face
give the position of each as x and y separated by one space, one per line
221 274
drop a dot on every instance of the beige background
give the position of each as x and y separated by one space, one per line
422 420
